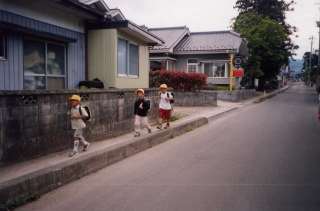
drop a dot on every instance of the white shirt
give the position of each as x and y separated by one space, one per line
77 123
163 103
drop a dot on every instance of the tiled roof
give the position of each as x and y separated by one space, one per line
208 41
116 12
170 35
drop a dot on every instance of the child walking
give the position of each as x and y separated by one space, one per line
140 113
164 106
77 124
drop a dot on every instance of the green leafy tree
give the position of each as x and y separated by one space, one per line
265 38
263 24
274 9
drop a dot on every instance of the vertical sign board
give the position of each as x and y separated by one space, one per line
235 62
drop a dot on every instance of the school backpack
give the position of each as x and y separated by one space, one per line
148 102
171 101
89 118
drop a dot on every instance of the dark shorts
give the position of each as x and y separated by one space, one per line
164 113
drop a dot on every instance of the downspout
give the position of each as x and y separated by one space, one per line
86 51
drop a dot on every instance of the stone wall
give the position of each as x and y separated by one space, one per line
197 98
235 95
35 123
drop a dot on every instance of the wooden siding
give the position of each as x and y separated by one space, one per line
11 69
102 59
102 55
103 63
76 62
11 73
143 80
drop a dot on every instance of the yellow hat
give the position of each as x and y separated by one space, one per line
139 90
164 86
75 97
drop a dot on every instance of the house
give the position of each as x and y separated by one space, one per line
161 57
202 52
46 45
118 53
46 48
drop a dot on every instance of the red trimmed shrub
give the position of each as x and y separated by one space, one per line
178 80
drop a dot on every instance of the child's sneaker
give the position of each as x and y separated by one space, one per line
86 147
149 131
167 126
137 134
159 127
73 154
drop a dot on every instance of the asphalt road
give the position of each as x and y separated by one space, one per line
262 157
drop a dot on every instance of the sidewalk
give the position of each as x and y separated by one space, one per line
47 173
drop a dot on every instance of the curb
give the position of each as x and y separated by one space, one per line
268 96
52 177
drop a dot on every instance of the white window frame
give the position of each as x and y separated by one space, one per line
173 65
3 40
226 63
128 60
192 64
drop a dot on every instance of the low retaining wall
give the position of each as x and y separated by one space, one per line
35 123
235 95
197 98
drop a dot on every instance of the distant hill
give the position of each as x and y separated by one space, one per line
296 65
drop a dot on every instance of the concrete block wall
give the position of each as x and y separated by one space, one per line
196 98
235 95
35 123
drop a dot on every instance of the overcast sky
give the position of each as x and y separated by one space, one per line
214 15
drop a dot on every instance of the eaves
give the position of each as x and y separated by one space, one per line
231 51
128 27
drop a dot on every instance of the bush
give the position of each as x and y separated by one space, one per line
178 80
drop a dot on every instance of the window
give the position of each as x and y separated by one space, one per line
43 65
170 65
128 58
2 45
192 65
218 69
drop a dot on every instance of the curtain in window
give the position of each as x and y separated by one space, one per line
208 70
133 62
122 56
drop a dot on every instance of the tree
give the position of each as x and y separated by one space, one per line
269 13
265 39
274 9
306 60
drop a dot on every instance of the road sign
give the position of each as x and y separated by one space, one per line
237 61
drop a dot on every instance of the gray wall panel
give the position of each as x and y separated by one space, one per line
11 68
76 66
2 78
9 82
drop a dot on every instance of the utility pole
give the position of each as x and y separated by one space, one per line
311 38
318 24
